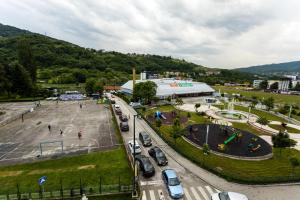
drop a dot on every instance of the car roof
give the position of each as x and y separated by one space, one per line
170 173
131 141
144 133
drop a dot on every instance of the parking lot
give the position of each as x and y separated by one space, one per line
22 140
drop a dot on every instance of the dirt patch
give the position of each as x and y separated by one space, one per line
87 167
42 171
169 118
10 173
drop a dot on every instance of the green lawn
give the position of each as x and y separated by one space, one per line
108 165
279 127
279 98
277 169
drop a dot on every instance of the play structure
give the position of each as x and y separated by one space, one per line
228 140
159 115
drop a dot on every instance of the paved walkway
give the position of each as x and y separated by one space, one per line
257 192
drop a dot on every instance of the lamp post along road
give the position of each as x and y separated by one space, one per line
134 162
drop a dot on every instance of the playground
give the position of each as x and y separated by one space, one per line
228 140
166 118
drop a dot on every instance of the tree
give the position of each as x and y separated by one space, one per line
295 163
282 140
158 123
89 86
297 87
98 88
144 91
176 131
179 101
274 86
5 83
269 103
263 121
26 58
263 85
21 81
197 105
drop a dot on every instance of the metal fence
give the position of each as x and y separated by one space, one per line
64 193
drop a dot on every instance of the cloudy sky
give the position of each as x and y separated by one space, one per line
214 33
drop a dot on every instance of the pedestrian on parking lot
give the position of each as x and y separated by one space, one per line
80 105
61 131
161 196
22 117
79 134
49 127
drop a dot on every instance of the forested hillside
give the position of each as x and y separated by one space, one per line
270 69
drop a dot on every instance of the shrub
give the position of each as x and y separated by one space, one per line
188 115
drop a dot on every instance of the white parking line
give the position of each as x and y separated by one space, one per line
152 196
187 194
144 196
195 193
209 190
203 193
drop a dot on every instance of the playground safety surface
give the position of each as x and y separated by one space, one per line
249 145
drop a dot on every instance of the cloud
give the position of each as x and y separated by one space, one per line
215 33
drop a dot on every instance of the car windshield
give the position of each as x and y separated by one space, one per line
160 154
146 136
137 147
224 196
174 181
147 165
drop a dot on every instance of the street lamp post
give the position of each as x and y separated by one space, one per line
134 166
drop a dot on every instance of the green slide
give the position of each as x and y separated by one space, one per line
231 137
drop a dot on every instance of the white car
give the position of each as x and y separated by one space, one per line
138 149
228 196
117 106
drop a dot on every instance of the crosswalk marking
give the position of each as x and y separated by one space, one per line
195 193
152 196
203 193
144 195
209 189
217 190
187 194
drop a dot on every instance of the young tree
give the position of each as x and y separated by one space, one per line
21 81
176 131
269 103
282 140
274 86
98 88
295 163
263 85
158 123
263 121
297 87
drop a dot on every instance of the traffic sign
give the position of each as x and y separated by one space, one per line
42 180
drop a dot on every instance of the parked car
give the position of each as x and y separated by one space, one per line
138 149
135 104
118 111
112 101
117 106
124 126
123 118
228 196
173 184
158 155
145 165
145 139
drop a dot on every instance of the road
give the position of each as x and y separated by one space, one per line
198 183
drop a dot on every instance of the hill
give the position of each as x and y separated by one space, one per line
51 52
273 69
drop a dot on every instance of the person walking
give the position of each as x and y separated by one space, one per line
61 131
79 135
161 196
22 117
80 105
49 127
